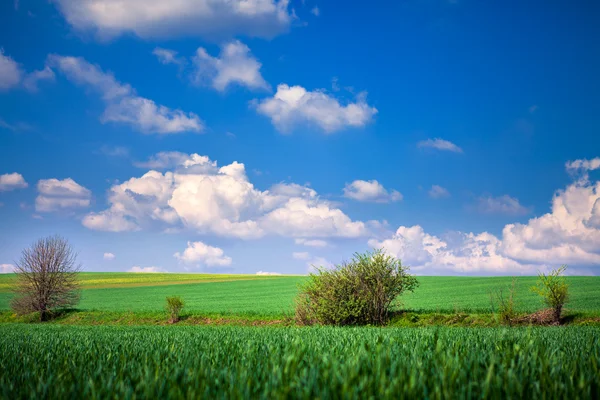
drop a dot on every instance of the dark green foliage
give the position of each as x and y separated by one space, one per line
174 306
179 362
553 288
360 292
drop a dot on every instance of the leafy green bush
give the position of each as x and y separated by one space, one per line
553 288
174 306
360 292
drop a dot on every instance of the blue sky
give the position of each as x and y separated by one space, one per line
269 136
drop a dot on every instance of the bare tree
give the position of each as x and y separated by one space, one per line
47 277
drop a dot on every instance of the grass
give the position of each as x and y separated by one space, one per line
49 361
127 279
109 298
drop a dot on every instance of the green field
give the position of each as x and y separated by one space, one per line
274 296
46 361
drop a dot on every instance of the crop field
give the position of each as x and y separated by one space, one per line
44 361
274 295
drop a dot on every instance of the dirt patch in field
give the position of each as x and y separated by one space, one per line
542 317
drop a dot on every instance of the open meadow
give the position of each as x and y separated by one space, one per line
210 354
273 296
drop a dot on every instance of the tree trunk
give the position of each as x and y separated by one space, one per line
557 312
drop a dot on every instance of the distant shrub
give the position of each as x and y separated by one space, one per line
553 288
360 292
506 304
174 306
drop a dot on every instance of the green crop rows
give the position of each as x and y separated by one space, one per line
274 296
235 362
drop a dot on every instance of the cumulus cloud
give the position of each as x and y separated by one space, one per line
12 181
568 234
501 205
203 254
438 192
301 255
123 105
439 144
152 270
294 105
12 75
315 11
196 18
235 65
370 191
312 242
7 268
109 256
196 194
55 195
461 253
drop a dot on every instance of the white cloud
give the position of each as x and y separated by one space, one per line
311 243
12 75
7 268
264 273
12 181
110 221
438 192
30 82
166 56
370 191
311 218
318 262
315 11
294 105
501 205
198 195
57 195
10 72
146 270
439 144
303 255
203 254
123 105
583 165
568 234
462 253
182 161
109 256
184 18
234 66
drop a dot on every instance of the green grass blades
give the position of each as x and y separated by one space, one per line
49 361
274 296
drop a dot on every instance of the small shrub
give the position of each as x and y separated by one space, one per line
174 306
554 290
360 292
506 305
